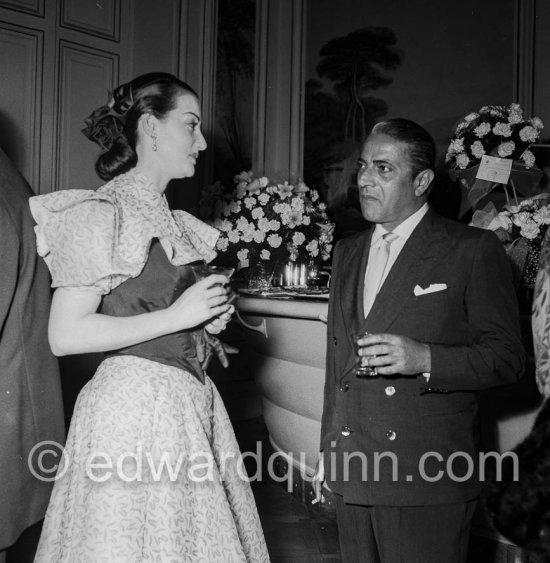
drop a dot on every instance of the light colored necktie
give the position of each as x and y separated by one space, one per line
376 268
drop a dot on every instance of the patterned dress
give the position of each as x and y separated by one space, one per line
152 471
540 319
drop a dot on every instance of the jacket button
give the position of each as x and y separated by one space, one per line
335 340
390 390
346 431
391 435
344 387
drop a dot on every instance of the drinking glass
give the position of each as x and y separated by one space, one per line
362 369
203 270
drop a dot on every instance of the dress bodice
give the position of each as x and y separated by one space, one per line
158 285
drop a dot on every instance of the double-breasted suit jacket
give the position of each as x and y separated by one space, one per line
408 441
31 409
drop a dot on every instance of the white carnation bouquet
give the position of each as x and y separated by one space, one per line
265 221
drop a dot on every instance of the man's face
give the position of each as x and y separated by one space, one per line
386 185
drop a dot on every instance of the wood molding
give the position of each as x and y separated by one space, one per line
21 114
524 71
33 7
100 18
85 77
197 67
279 89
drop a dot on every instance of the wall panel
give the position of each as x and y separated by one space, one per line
101 17
85 77
20 107
34 7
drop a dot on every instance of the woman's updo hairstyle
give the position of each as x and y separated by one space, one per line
114 126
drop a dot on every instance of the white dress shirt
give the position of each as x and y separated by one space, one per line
403 232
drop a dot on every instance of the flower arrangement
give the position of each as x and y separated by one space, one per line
521 228
264 221
495 131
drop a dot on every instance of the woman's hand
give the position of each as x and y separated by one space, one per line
217 325
201 302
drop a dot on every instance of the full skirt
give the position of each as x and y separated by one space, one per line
151 472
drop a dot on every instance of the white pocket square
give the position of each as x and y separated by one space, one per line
432 288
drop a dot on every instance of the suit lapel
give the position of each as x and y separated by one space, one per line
426 245
352 282
424 248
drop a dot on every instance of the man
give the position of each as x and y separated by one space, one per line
399 449
31 408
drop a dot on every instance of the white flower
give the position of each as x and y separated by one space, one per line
248 236
462 160
259 236
502 129
529 230
456 146
471 116
298 238
234 236
528 134
265 254
249 202
506 149
222 244
274 241
477 149
537 123
542 215
482 129
242 254
242 224
263 198
313 248
263 224
257 213
529 158
234 207
314 195
297 204
263 181
274 225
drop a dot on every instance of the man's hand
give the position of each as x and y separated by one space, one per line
318 480
392 354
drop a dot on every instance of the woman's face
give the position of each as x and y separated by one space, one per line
179 138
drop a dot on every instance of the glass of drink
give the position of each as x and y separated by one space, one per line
362 369
203 270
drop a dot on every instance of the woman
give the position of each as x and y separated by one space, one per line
152 469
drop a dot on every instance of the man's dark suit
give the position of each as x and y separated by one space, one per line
473 330
31 409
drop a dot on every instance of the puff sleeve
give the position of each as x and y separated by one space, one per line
77 234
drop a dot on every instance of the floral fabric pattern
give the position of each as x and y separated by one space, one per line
142 414
152 471
540 319
97 239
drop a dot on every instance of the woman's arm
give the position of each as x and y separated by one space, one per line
76 328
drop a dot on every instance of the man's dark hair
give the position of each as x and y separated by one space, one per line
422 149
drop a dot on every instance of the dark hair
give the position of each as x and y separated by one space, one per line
422 148
114 126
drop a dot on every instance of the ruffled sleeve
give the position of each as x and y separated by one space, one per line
77 234
540 319
203 237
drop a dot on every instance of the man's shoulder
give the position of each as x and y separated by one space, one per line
461 232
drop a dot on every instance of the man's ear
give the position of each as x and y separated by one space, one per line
422 182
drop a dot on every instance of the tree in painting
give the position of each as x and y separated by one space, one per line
337 120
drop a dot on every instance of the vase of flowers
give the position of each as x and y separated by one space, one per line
504 134
267 223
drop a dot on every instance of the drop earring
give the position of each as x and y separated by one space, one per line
154 146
